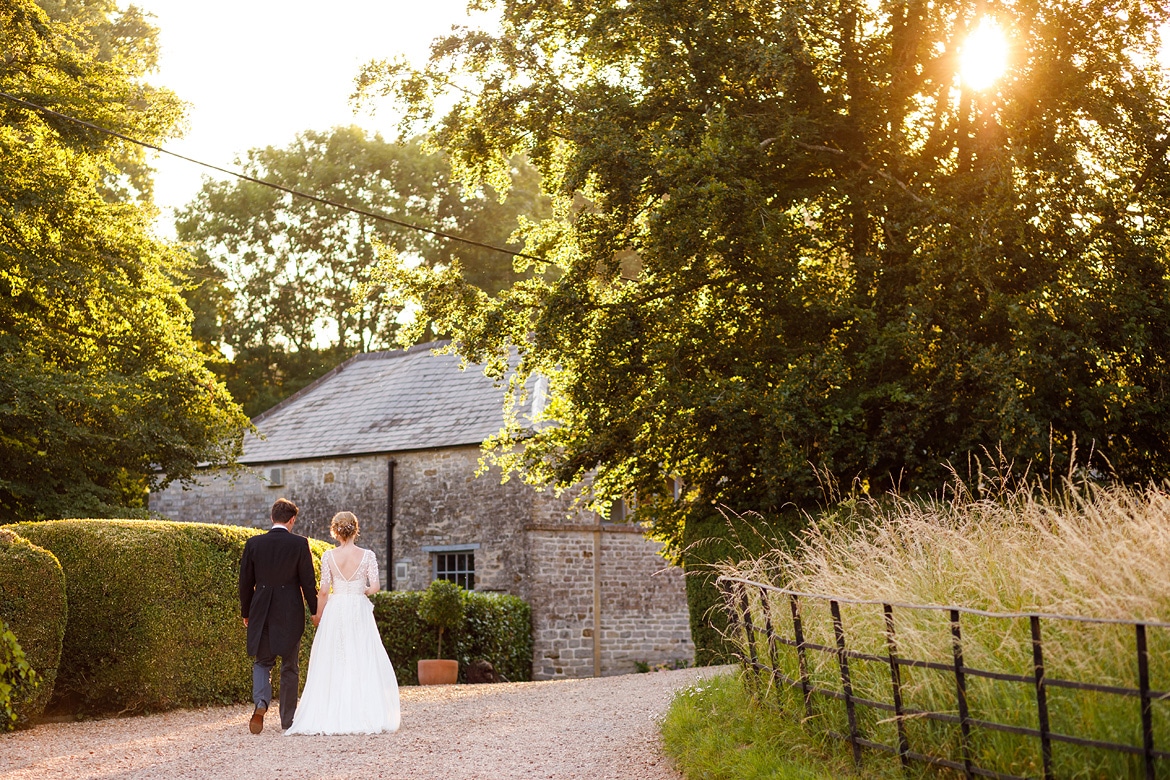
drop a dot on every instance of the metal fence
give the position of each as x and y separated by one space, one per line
752 607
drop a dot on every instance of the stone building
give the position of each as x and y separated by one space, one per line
395 438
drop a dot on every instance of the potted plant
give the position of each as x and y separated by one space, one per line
442 607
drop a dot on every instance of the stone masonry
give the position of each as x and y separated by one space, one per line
643 615
526 542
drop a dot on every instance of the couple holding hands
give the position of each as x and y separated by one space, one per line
351 686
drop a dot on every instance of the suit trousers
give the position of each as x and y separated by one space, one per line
290 679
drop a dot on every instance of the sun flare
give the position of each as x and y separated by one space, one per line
984 55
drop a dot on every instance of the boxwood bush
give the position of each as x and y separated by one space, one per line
32 604
496 628
154 617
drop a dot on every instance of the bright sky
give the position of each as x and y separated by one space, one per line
256 72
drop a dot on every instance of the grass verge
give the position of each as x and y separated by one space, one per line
715 730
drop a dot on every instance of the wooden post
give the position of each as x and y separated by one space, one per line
597 598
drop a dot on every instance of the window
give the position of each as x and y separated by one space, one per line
623 509
458 567
454 562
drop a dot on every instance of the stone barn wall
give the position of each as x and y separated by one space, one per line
531 544
320 488
643 601
437 501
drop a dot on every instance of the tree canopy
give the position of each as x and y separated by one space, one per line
284 282
103 392
796 248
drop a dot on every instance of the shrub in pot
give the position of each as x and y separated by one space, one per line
496 627
441 606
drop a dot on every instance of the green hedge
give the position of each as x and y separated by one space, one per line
17 678
33 605
496 628
710 538
153 614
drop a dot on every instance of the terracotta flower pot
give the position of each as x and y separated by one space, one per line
438 672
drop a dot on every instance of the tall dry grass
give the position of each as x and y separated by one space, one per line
1088 551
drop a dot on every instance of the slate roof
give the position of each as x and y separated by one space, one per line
380 402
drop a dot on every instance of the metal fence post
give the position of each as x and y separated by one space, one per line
748 629
961 684
798 635
896 682
1041 696
769 632
846 685
1144 692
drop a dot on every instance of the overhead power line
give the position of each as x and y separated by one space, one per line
297 193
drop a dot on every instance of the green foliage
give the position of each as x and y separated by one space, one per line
794 252
154 614
709 540
642 667
405 635
32 604
716 730
276 271
101 387
442 607
496 628
126 39
18 679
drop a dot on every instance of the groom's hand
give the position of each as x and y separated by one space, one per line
245 622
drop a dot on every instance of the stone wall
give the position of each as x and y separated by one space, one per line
532 544
440 502
437 501
643 602
320 488
643 606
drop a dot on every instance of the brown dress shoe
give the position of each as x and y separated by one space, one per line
256 724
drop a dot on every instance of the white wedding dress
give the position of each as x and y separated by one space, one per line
351 687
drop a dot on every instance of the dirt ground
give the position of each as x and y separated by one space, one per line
594 728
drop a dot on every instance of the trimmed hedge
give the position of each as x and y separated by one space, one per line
33 605
496 628
153 614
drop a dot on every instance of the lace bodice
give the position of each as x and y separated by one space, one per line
333 582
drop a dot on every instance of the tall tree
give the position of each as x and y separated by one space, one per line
284 282
797 246
101 384
126 39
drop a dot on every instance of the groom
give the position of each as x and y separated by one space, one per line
276 570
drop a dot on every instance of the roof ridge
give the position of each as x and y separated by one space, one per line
379 355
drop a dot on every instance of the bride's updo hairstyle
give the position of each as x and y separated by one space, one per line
344 526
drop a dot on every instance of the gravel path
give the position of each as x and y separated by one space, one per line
594 728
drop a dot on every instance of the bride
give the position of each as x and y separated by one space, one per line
351 687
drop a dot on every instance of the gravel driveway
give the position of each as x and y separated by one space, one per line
593 728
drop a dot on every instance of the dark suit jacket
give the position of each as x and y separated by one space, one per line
276 570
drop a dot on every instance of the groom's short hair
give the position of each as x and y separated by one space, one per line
283 510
